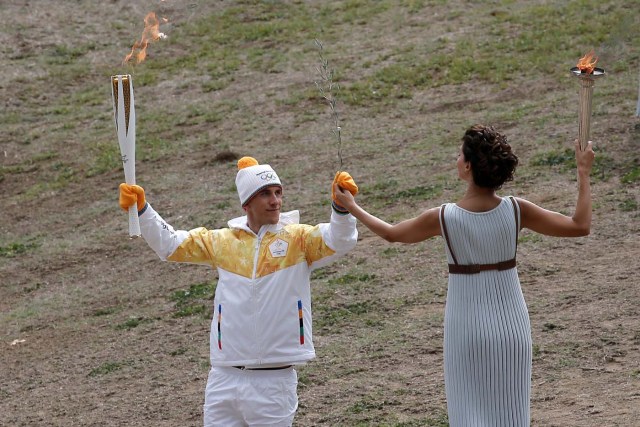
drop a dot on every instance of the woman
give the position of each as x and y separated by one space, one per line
487 333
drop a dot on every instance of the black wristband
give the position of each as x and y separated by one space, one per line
141 211
339 209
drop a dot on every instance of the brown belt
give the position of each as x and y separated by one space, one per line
274 368
477 268
456 268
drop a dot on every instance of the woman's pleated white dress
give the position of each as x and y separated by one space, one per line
487 332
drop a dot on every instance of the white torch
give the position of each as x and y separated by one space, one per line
124 114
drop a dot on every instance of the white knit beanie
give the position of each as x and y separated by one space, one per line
253 177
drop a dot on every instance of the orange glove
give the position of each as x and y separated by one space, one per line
345 181
130 195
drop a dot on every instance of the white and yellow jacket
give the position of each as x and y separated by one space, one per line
262 304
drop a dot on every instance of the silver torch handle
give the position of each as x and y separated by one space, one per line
584 124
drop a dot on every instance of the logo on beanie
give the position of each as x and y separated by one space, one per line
267 175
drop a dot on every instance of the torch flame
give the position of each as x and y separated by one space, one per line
150 34
587 63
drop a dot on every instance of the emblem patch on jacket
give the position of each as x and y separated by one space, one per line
278 248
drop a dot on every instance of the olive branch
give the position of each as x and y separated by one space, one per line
329 90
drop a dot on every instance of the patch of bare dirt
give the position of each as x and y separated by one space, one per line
88 332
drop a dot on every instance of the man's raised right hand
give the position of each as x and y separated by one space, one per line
131 195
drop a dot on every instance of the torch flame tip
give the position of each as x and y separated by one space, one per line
587 63
151 33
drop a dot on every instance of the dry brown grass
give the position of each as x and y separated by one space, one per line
102 344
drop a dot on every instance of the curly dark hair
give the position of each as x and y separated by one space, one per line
492 161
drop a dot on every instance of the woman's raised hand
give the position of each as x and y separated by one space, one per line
584 158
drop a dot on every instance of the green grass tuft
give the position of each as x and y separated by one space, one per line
106 368
632 176
133 322
197 300
17 248
566 158
352 278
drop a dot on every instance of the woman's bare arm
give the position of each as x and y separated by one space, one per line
413 230
552 223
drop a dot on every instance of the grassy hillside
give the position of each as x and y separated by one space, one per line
97 331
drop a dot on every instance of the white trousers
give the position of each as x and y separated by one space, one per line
241 398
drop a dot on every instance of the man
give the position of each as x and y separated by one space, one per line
261 326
